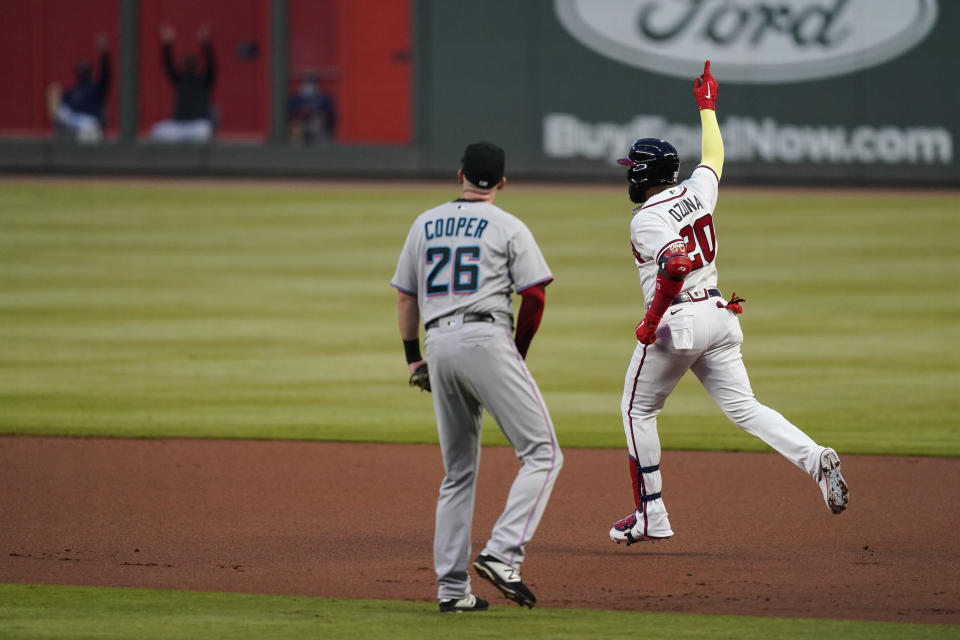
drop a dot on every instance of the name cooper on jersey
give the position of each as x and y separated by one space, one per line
446 227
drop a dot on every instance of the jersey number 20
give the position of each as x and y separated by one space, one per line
701 241
466 271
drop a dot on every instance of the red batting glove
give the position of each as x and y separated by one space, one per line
647 331
705 89
734 304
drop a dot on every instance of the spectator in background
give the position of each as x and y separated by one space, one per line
311 112
81 109
192 114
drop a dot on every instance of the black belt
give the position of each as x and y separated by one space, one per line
467 317
689 297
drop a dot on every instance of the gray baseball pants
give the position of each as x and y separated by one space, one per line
475 366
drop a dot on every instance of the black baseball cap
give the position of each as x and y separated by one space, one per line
483 164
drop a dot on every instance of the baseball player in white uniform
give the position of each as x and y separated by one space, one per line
689 325
458 268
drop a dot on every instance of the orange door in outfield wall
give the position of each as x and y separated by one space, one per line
361 50
41 42
240 37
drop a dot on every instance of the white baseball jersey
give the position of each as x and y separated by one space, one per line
468 256
683 213
700 335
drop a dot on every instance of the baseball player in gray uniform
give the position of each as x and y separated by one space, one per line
458 268
688 324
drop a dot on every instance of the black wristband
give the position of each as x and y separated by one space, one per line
411 348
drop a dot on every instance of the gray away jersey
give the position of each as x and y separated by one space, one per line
468 257
683 213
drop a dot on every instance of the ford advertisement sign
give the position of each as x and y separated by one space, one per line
754 42
811 91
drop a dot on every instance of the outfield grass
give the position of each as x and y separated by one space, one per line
265 312
100 613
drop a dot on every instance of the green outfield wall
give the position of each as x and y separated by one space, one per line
810 90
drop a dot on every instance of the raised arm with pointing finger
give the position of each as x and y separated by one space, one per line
705 91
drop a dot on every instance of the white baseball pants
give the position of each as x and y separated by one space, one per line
704 338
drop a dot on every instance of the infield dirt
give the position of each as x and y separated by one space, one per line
753 536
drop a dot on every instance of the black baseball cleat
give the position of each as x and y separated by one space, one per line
468 602
505 578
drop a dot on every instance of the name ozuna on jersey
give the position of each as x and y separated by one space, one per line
685 207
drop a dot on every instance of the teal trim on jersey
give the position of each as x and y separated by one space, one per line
463 263
438 257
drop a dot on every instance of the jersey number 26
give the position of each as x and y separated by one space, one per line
466 271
